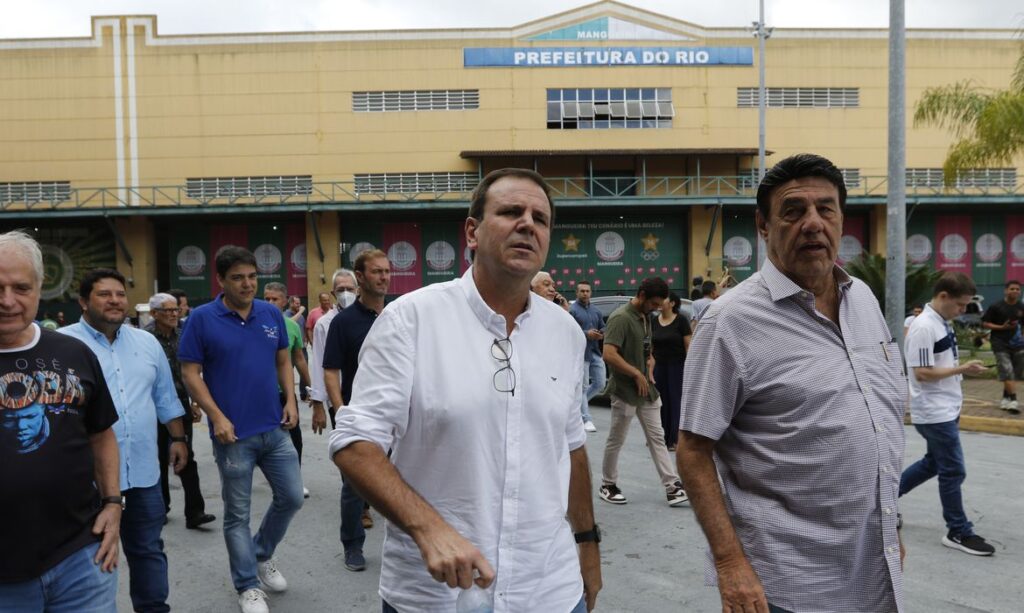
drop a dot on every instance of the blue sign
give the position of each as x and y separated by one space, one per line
547 57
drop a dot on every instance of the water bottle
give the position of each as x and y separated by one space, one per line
475 600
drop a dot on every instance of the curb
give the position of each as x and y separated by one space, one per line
992 425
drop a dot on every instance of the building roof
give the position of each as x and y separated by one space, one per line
500 153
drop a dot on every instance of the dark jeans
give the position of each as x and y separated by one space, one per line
141 523
668 378
296 434
774 609
195 506
352 533
945 458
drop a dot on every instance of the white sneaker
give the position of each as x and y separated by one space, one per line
270 577
1012 406
253 601
305 492
1004 404
589 426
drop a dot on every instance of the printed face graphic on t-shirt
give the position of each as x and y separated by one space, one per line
28 397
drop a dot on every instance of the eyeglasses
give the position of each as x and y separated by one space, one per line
174 310
504 382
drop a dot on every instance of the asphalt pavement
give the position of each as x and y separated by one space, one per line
652 555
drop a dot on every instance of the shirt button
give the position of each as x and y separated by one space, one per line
885 469
888 511
891 549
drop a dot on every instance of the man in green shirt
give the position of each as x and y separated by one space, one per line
277 294
627 351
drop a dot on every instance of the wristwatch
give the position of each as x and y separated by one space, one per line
179 439
590 536
118 500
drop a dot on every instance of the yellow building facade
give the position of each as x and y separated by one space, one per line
149 152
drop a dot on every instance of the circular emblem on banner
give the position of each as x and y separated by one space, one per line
58 272
849 248
738 251
358 248
610 246
191 261
268 259
440 255
919 248
989 248
298 257
1017 246
953 247
402 255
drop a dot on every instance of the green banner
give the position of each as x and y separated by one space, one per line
739 244
268 246
921 240
989 250
190 259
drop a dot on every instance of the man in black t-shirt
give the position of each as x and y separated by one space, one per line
1004 319
59 523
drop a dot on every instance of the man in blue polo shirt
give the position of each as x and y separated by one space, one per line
592 323
341 360
234 354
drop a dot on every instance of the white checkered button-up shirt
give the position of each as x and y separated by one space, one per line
809 422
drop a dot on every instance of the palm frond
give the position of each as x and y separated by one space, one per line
955 107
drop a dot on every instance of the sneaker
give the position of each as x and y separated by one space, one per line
589 426
611 493
367 519
253 601
1012 407
305 492
1004 404
677 495
354 560
973 544
270 577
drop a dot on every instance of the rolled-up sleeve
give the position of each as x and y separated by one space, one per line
318 390
712 382
381 393
575 435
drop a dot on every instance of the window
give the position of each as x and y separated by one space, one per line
851 176
415 182
416 100
35 191
207 188
602 108
1003 178
801 97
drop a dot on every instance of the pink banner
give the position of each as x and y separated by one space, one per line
953 240
852 243
223 236
1014 247
295 248
402 244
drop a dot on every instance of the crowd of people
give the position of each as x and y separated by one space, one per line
776 410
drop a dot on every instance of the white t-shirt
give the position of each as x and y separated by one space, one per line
909 320
930 342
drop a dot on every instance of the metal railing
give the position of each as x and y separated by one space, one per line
623 188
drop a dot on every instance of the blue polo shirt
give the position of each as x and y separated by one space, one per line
589 318
344 340
239 360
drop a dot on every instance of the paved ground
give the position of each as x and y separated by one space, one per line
652 554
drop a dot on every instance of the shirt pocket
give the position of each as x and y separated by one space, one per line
882 365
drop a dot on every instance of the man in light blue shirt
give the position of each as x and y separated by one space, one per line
592 322
142 388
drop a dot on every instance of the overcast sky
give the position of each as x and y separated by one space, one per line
60 18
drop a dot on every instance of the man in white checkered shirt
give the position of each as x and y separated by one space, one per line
794 391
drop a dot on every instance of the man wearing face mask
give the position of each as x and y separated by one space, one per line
627 350
341 361
344 283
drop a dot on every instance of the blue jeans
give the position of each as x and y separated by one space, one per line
945 458
352 532
275 454
593 382
141 523
75 585
581 607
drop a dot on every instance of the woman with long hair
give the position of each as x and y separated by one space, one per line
670 337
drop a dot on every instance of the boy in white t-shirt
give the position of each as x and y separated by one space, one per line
935 400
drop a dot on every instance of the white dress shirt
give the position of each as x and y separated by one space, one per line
494 464
317 388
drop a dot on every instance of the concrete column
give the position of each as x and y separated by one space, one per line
318 274
700 227
139 237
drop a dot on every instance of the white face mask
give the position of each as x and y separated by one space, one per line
346 299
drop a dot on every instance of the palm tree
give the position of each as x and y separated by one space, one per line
870 268
988 124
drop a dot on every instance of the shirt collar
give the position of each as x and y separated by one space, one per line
928 310
487 316
780 286
96 334
363 308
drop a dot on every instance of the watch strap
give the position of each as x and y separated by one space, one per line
590 536
118 500
179 439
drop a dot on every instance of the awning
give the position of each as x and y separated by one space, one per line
531 153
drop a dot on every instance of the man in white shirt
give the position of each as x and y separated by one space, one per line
935 401
344 283
489 465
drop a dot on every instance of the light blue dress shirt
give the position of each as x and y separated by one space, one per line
141 385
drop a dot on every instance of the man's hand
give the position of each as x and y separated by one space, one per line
590 568
594 334
453 560
641 384
195 412
108 523
974 367
903 550
740 587
319 416
179 456
290 416
224 431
